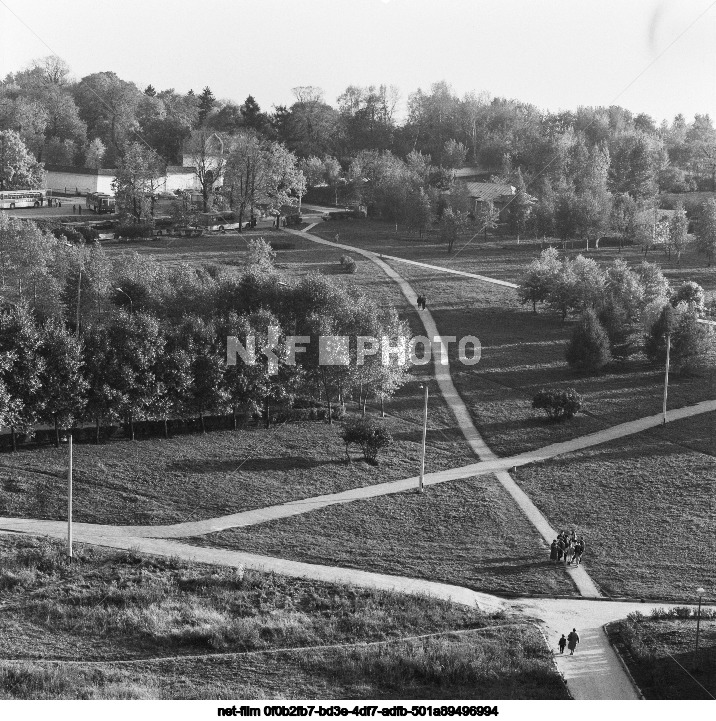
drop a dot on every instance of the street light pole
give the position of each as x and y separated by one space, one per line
425 431
666 372
69 499
701 592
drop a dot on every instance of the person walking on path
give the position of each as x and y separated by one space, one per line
562 643
579 550
572 641
553 553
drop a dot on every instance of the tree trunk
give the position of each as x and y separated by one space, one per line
267 412
13 438
131 427
233 418
201 421
382 407
534 306
57 434
96 430
166 427
365 400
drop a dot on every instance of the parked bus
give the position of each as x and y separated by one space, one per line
22 198
101 202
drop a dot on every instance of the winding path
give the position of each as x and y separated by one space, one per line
593 673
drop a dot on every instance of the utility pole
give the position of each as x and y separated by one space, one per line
425 431
69 499
666 372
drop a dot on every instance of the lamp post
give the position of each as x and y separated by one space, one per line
701 592
131 305
666 372
425 431
68 438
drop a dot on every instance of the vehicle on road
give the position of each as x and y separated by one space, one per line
23 198
101 202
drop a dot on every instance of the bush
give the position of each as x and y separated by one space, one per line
558 404
134 230
369 435
69 234
90 235
588 349
348 264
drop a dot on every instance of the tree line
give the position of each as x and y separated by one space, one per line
588 169
94 339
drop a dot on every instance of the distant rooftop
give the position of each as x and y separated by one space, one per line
489 192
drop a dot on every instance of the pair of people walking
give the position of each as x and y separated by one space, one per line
568 547
422 301
570 642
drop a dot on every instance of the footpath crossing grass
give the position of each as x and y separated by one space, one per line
646 507
211 624
469 533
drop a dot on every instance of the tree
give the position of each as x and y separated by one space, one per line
95 154
624 289
206 152
656 287
252 116
22 366
452 225
487 217
588 348
520 207
138 177
706 230
678 230
18 168
206 103
540 278
62 380
260 174
419 211
454 154
691 295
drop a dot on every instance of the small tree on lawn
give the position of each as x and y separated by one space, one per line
692 347
678 230
539 278
487 217
520 207
558 404
588 349
690 294
614 318
367 433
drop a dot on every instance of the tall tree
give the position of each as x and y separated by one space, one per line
137 180
18 168
706 230
206 104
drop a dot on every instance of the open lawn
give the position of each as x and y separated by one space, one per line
143 627
192 477
523 352
660 653
469 533
646 507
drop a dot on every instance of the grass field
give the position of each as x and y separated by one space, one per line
660 653
176 623
192 477
646 506
468 533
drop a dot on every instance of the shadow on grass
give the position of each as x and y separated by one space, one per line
251 464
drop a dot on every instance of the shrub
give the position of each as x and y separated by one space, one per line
134 230
90 235
369 435
68 233
348 264
588 349
558 404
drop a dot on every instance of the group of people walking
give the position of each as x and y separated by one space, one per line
568 547
570 642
